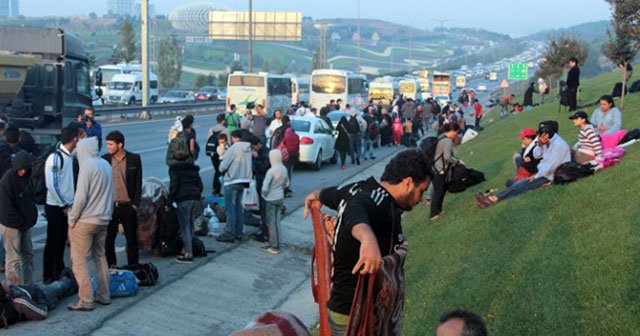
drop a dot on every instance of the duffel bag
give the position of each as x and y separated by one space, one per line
147 273
122 283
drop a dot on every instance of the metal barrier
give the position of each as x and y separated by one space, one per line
125 112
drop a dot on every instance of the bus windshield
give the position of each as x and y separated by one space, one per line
407 87
440 78
256 81
329 84
378 93
120 86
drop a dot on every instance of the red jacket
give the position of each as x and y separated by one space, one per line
478 108
291 141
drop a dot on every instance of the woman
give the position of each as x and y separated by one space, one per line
385 128
608 121
342 142
275 124
290 147
528 95
588 148
444 158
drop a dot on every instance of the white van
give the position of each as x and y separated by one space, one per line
126 89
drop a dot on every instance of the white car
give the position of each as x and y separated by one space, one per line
317 143
482 87
442 100
335 116
177 96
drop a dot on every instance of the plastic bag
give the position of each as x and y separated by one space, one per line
250 198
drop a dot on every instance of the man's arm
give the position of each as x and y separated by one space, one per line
135 198
370 259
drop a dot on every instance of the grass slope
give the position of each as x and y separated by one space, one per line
559 261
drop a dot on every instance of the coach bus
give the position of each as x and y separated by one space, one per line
328 84
300 90
381 92
410 88
441 84
269 90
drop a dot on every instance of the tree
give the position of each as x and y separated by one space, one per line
620 47
93 16
317 60
559 51
169 62
236 67
126 49
201 81
92 60
626 15
223 77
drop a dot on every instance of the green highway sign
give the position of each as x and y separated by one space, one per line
518 71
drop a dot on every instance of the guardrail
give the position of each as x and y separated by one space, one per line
124 112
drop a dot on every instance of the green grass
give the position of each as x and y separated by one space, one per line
559 261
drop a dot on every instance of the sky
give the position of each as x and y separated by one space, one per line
513 17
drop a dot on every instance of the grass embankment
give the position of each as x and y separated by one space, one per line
564 260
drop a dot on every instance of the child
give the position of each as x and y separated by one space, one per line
397 131
273 188
220 150
408 133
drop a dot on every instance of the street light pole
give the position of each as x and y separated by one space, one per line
359 37
250 58
442 41
144 50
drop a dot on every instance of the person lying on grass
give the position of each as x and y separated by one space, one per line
552 150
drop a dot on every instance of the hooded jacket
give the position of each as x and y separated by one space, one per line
93 201
236 164
185 183
276 179
18 210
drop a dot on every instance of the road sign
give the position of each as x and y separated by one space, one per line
504 84
518 71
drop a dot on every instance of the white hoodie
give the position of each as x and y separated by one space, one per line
93 201
276 179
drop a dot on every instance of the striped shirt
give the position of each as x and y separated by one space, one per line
589 140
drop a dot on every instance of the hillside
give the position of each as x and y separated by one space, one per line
589 31
558 261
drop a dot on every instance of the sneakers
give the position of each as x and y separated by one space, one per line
270 249
344 166
184 259
226 238
259 237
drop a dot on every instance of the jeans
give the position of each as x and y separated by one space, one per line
368 149
128 217
187 213
338 329
87 243
439 191
19 258
273 211
354 147
235 212
521 187
504 110
53 257
215 161
2 252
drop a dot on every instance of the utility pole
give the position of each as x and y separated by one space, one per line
323 27
442 41
250 58
359 37
144 33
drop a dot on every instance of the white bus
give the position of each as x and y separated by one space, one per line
300 90
381 92
410 88
269 90
327 84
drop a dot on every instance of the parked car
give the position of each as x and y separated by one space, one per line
482 87
176 96
222 94
317 143
335 117
207 93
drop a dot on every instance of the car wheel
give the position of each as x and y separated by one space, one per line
318 164
334 158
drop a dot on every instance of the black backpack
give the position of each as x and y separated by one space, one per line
38 179
459 178
212 144
147 273
635 87
428 146
8 313
353 127
570 172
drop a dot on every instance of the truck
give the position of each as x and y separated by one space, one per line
45 79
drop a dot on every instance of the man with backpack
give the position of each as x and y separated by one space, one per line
211 150
127 189
60 191
232 119
185 141
353 128
372 134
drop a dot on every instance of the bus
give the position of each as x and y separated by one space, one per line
425 87
327 84
441 84
269 90
493 76
461 82
410 88
300 90
381 92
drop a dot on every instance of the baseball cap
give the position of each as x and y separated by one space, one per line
527 132
579 114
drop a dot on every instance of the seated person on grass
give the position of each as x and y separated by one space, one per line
608 122
552 150
526 164
588 149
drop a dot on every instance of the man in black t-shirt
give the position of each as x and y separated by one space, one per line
368 225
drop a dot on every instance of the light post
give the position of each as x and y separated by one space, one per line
250 58
410 19
359 37
442 21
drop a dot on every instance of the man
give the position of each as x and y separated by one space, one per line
60 182
461 323
214 131
232 119
261 165
126 170
408 110
259 123
17 215
573 83
355 138
368 225
94 129
551 150
313 112
338 104
190 135
9 148
88 220
303 110
505 102
236 166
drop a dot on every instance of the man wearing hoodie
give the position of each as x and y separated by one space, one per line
275 182
236 166
18 214
88 220
185 189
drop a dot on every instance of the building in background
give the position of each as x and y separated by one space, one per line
9 8
120 7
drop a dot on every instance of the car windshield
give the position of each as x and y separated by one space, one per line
301 125
206 90
120 85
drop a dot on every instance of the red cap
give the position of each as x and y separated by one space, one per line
527 132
